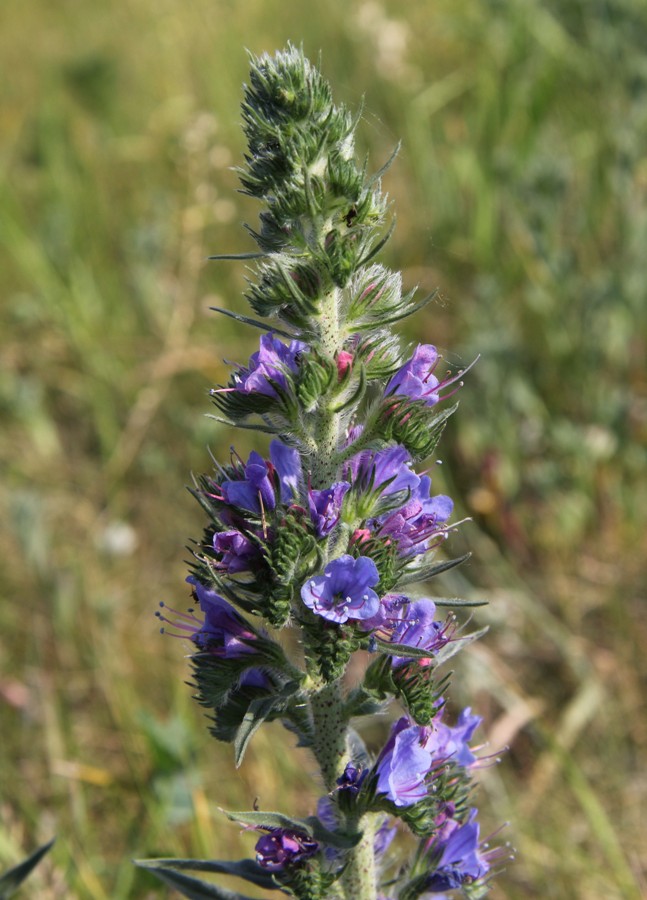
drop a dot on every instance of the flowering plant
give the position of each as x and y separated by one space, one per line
324 535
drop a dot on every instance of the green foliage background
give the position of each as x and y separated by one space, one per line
520 192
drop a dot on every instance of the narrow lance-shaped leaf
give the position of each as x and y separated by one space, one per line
248 869
193 888
11 880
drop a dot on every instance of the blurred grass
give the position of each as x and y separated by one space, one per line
520 191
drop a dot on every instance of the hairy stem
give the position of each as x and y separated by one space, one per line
330 731
359 878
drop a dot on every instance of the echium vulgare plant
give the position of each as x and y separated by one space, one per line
309 551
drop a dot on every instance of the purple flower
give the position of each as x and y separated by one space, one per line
451 743
239 553
287 463
224 632
417 523
390 468
404 764
415 379
284 847
413 752
456 852
325 507
412 622
344 591
383 837
351 779
271 363
255 490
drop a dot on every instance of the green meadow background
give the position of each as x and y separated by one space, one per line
520 193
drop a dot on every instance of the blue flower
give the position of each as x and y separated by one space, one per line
325 507
344 591
351 779
389 469
224 632
239 553
283 848
415 379
255 489
455 850
404 764
269 367
413 752
287 464
419 522
452 742
412 622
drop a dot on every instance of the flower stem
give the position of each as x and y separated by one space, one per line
359 878
326 437
331 751
330 732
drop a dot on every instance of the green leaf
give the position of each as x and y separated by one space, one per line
390 649
457 602
456 645
372 253
11 880
311 826
238 256
246 320
194 888
333 838
271 820
243 868
423 573
387 165
266 429
258 712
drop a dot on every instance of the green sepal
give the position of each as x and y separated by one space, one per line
451 784
411 683
277 292
379 350
14 877
352 392
328 646
237 405
419 692
412 424
238 718
316 377
292 556
378 300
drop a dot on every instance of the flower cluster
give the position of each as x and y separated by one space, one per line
324 532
